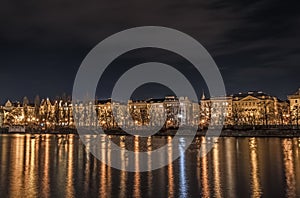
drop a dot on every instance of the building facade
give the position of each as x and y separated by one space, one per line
294 100
250 109
255 108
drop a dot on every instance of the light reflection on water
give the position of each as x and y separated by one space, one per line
288 159
256 190
59 166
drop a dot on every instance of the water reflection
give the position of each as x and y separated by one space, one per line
46 175
182 179
137 184
230 166
70 170
50 166
216 171
204 172
289 167
256 190
123 175
170 170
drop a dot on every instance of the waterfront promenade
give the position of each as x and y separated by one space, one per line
241 132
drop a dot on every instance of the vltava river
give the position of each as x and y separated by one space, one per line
59 166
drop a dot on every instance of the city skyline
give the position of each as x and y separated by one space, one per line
241 109
135 97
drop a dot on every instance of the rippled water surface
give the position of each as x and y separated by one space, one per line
59 166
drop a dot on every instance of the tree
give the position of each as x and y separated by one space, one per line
237 115
280 115
25 108
267 112
205 113
295 115
64 97
56 112
37 106
25 101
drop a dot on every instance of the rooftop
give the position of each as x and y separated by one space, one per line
257 94
297 92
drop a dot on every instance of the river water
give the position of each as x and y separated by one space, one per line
59 166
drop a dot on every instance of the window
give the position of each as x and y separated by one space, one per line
296 101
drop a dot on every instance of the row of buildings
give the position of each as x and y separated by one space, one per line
242 109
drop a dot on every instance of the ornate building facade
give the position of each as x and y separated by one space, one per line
250 109
258 108
294 100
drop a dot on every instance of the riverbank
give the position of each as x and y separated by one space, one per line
224 133
172 132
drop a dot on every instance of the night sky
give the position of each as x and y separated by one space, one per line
256 45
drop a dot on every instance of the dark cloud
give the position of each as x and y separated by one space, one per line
42 43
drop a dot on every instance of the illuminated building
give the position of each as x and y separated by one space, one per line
139 112
157 112
13 114
216 110
244 109
185 111
257 108
294 101
1 117
105 114
171 104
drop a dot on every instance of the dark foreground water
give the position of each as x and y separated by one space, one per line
59 166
